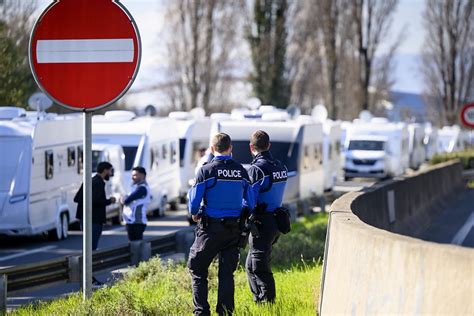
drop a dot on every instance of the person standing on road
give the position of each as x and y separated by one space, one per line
136 205
268 178
99 201
222 185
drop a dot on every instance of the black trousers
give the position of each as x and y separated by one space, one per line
259 271
135 231
216 239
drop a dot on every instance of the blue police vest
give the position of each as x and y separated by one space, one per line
224 186
268 179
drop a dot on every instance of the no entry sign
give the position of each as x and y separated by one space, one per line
85 54
467 115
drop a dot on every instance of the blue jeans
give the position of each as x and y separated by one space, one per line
96 232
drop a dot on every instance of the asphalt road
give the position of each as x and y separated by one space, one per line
23 250
455 224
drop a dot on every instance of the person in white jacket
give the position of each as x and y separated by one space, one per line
136 205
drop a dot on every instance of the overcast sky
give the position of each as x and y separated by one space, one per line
149 16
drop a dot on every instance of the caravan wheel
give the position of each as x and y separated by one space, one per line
65 226
56 233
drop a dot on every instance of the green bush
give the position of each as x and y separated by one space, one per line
164 288
466 158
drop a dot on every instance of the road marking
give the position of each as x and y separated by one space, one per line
26 253
85 51
464 231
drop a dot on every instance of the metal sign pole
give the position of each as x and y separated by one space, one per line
87 209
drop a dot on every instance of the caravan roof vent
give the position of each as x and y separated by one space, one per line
119 116
320 113
276 116
180 115
11 112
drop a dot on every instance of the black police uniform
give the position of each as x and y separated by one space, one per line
223 185
268 177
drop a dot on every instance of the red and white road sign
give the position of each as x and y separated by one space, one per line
85 54
467 115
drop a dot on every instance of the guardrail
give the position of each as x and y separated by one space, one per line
370 268
69 269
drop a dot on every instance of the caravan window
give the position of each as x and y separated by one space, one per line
9 163
287 153
164 151
130 152
182 146
80 159
49 164
71 156
307 157
173 153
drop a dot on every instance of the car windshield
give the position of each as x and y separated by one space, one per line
9 163
130 152
285 152
375 145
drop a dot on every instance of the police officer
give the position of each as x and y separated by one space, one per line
223 186
268 178
136 205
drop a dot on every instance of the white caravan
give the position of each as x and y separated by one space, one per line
430 141
193 133
41 171
296 144
148 142
416 145
116 185
376 150
331 153
449 139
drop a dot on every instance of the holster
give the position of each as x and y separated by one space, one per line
203 222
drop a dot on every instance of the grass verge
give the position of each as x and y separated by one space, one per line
164 288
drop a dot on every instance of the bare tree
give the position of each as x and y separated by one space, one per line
448 57
202 44
372 22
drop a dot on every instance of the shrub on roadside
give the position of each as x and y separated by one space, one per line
466 158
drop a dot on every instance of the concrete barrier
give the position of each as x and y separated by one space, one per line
370 270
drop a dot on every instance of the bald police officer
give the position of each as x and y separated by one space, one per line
268 177
223 186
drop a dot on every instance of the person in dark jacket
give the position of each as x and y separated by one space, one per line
268 178
99 201
215 202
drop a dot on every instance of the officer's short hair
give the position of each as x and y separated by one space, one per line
140 170
104 165
221 142
260 140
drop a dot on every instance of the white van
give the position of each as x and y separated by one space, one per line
296 144
193 133
41 171
116 186
148 142
376 150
